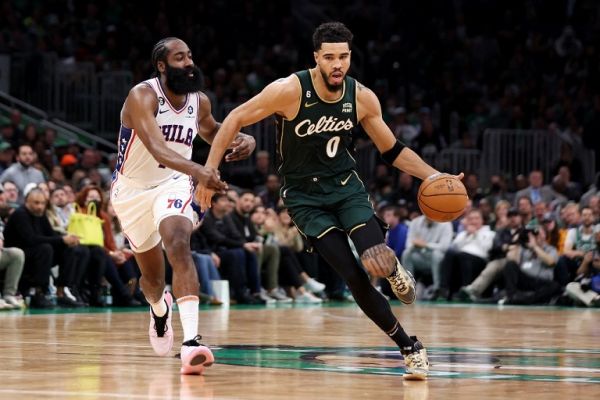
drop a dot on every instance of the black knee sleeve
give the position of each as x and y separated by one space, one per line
369 235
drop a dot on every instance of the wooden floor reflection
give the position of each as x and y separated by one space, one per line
311 352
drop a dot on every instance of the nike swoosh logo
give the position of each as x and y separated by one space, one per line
347 179
307 104
162 111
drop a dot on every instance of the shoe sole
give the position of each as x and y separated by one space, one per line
197 365
415 376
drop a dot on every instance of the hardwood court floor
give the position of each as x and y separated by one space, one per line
311 352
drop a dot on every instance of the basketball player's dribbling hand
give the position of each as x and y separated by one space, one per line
203 196
209 178
208 183
459 176
241 148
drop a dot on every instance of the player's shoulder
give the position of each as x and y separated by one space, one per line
205 105
203 97
366 98
142 90
286 85
362 90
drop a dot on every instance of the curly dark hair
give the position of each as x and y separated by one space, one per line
160 51
331 32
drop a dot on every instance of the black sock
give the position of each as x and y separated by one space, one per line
398 335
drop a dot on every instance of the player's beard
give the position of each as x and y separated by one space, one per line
329 86
179 81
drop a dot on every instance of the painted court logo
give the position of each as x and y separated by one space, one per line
547 365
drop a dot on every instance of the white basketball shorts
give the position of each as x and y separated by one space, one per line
141 209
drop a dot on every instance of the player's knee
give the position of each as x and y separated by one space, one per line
177 247
150 281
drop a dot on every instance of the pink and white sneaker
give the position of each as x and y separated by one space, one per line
160 330
195 357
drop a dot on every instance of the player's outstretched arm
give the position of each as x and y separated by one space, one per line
277 97
243 144
139 114
403 158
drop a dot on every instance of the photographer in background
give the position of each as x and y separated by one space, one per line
586 288
528 273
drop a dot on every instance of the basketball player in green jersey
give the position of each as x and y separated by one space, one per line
316 110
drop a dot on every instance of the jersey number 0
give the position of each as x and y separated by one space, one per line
332 146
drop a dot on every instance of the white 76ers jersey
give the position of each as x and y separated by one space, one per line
179 128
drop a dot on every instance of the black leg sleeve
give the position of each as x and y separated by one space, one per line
335 249
365 237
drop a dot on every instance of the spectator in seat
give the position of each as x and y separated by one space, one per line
525 207
536 192
503 239
555 235
119 266
270 196
528 273
500 218
586 288
426 245
268 254
579 241
29 229
467 255
12 260
398 230
22 172
498 190
238 257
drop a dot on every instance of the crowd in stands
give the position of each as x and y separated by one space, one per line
526 245
532 246
444 72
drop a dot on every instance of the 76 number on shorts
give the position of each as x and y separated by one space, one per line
177 203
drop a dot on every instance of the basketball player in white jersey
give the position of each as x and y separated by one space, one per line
152 190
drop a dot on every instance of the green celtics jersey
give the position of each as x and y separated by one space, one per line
317 142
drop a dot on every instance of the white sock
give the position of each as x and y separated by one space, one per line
188 314
160 307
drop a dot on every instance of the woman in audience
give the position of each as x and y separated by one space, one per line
291 275
111 256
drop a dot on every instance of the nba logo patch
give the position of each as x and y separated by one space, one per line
190 109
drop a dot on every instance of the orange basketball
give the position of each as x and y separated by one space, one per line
442 198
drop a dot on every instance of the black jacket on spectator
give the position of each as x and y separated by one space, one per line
25 230
503 236
198 242
221 233
244 226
